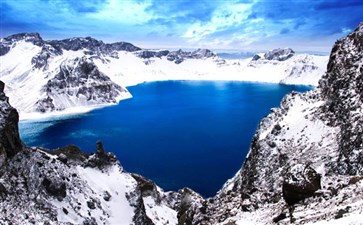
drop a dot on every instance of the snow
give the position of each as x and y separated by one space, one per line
130 70
24 83
352 219
159 214
115 183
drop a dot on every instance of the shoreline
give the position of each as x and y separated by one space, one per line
80 110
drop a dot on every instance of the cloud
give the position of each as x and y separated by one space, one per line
247 24
224 17
123 12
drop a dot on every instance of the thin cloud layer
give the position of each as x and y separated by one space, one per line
218 24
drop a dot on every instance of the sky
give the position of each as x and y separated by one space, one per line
234 25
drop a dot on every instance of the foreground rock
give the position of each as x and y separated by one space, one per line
10 142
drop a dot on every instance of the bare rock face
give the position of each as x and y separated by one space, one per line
9 133
176 56
279 54
342 89
300 182
78 82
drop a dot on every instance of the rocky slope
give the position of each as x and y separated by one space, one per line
66 186
305 161
78 74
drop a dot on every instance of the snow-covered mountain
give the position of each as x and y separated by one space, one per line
305 166
78 74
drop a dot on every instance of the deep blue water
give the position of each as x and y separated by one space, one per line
177 133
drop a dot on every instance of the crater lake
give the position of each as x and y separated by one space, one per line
179 134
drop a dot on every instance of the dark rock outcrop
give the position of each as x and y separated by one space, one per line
300 182
342 89
7 42
55 187
177 56
80 79
93 45
279 54
9 133
256 57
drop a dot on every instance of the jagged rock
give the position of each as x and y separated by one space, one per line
279 54
4 50
177 56
55 187
78 81
256 57
99 148
106 196
147 187
41 59
3 155
300 182
9 133
2 87
45 105
28 37
342 90
100 159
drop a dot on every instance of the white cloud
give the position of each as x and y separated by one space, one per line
124 12
224 17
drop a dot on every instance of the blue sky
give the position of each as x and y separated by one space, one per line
244 25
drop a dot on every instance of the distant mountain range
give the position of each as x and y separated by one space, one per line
77 74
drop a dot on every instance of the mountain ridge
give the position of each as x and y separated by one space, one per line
31 63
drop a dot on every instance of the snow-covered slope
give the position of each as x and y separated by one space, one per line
305 162
66 186
78 74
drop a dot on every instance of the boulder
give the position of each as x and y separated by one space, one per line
299 183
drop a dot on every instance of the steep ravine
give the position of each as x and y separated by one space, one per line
305 165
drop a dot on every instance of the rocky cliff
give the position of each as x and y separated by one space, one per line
305 160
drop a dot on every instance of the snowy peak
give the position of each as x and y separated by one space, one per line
176 56
29 37
77 82
91 44
7 43
279 54
275 54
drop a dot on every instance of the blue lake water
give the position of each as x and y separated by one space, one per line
177 133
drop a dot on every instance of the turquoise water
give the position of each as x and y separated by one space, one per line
177 133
